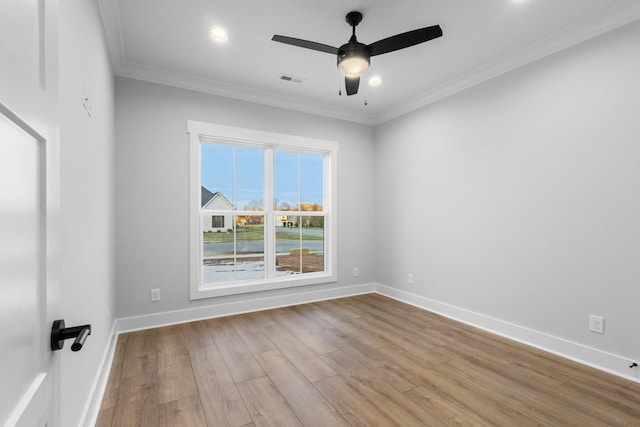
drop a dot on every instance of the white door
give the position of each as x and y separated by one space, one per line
29 199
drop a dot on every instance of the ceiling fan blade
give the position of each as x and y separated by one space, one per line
400 41
306 44
351 84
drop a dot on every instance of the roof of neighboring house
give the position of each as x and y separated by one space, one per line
207 196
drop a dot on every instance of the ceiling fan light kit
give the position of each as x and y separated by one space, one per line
353 64
354 57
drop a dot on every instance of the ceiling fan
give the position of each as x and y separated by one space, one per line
354 57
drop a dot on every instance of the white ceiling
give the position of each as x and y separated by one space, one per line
166 41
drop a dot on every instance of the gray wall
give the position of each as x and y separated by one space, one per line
520 197
87 198
516 199
152 186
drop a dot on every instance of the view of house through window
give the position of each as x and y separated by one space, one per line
261 212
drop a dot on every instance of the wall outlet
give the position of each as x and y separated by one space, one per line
410 279
155 295
356 272
596 324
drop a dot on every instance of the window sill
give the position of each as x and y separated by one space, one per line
243 287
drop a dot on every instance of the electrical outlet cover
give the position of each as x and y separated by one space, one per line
596 324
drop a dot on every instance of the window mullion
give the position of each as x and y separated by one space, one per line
298 208
269 220
233 216
327 208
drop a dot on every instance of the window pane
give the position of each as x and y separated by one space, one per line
311 182
285 180
249 179
299 244
216 176
250 247
237 253
218 264
287 245
312 246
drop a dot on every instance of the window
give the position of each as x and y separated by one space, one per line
217 221
263 208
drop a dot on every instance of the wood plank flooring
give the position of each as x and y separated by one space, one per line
358 361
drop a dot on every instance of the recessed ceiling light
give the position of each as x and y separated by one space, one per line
218 35
375 81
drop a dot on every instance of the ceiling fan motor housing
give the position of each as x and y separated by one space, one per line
353 58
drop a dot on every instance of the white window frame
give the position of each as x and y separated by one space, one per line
202 131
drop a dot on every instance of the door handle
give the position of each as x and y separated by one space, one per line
59 333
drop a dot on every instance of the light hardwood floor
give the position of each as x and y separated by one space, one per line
358 361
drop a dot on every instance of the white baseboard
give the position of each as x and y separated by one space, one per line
595 358
604 361
246 305
92 405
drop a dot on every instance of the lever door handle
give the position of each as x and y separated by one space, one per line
59 333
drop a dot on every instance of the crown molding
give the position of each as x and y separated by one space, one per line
621 14
110 12
615 17
212 87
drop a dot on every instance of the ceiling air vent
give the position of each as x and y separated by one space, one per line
292 79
